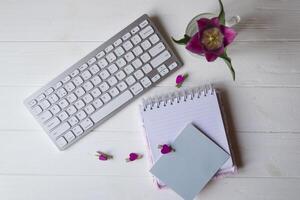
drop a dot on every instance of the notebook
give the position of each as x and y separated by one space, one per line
164 116
195 161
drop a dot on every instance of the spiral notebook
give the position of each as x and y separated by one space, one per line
164 116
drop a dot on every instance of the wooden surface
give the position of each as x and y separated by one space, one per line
39 39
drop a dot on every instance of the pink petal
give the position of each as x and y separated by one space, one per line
229 35
202 23
166 149
133 156
179 79
194 45
215 22
210 56
102 157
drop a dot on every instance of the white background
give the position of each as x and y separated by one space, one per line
39 39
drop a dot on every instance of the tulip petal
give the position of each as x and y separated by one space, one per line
215 22
194 45
229 35
202 23
210 56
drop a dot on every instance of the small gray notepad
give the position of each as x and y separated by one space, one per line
192 165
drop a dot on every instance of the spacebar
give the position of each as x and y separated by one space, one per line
111 106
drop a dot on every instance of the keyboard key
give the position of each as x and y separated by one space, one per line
61 92
164 56
55 109
127 45
58 85
117 42
172 66
146 32
104 74
137 51
114 92
147 68
136 39
71 110
112 81
136 88
53 98
87 98
79 91
60 129
77 80
128 69
32 102
73 120
146 45
97 103
45 116
112 68
119 51
89 109
105 98
86 75
137 63
37 110
91 61
45 104
69 136
157 49
103 87
130 80
74 73
109 48
66 79
52 123
138 74
79 104
83 67
154 39
121 62
102 63
96 92
96 80
61 142
120 75
70 86
77 130
163 70
63 115
71 98
111 106
129 56
145 57
49 91
86 124
63 103
100 54
111 57
41 97
155 78
146 82
87 86
135 30
122 86
81 115
143 23
126 36
94 69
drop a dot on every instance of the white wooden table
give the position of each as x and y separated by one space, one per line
39 39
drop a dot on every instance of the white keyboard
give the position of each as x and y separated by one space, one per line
100 84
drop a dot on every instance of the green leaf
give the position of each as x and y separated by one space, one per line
227 60
222 13
183 40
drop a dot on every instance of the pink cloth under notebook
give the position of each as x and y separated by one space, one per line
163 117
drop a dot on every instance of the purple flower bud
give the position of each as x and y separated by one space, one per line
133 156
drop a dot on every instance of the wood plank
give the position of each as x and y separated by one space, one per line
127 188
265 109
261 64
98 20
32 153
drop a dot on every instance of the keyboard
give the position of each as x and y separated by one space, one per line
103 82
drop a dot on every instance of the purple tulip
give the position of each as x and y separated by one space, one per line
165 148
211 39
133 157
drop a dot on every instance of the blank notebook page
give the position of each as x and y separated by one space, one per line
163 122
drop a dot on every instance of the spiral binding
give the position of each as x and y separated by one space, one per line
177 97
